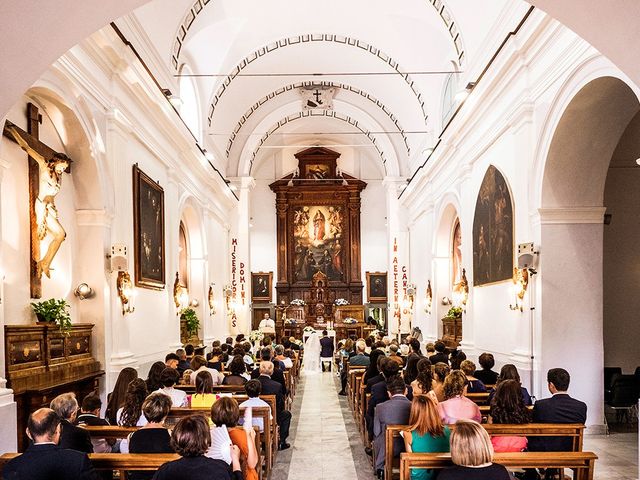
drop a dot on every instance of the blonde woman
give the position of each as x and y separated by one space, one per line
472 455
456 405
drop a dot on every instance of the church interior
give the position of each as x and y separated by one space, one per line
175 173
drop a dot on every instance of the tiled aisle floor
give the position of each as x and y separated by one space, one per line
617 455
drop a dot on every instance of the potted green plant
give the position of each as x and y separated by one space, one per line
454 312
191 322
53 311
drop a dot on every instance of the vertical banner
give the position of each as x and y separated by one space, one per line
238 301
395 306
400 308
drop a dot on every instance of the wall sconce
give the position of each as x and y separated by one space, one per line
125 292
194 303
180 294
461 291
429 299
520 284
228 292
446 301
212 301
83 291
407 302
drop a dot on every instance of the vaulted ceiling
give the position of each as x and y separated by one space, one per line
387 63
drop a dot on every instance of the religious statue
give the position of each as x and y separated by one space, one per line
50 180
318 226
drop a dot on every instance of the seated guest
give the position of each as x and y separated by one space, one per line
486 375
229 341
394 411
71 436
191 439
154 436
368 345
189 350
282 358
411 370
431 349
247 353
153 378
441 354
456 357
266 355
239 338
90 415
214 345
237 351
510 372
440 372
130 414
168 379
294 344
183 363
238 370
225 413
472 455
171 360
116 398
271 387
560 408
394 355
199 364
186 377
359 359
214 359
204 396
253 389
423 384
379 393
473 384
507 406
373 370
456 406
45 459
426 433
226 350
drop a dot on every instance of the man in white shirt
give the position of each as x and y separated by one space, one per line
168 379
267 325
253 389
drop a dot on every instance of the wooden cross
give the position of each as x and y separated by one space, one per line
34 119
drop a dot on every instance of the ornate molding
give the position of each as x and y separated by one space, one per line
571 215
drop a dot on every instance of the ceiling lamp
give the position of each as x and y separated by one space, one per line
463 94
174 100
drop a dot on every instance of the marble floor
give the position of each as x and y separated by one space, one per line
325 443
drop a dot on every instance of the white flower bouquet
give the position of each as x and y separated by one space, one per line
298 302
341 302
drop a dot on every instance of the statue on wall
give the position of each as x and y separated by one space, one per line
50 172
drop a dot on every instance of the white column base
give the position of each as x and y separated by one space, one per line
8 420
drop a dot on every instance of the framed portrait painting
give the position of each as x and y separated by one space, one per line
261 286
377 287
148 231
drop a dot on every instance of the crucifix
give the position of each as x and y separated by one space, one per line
46 167
318 94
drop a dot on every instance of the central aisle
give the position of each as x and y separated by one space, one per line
321 437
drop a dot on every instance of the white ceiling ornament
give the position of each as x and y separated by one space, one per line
317 97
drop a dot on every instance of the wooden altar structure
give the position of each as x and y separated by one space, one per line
452 331
318 229
42 362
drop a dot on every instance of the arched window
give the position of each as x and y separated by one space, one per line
190 108
449 91
183 257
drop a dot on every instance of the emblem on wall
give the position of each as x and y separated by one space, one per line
317 98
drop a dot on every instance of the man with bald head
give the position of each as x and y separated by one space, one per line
44 459
271 387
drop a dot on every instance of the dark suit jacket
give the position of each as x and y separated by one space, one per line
439 357
75 438
278 375
560 408
394 411
326 347
373 381
49 462
271 387
182 366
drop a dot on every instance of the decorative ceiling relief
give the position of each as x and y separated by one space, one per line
317 97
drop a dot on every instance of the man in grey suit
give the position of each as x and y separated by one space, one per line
394 411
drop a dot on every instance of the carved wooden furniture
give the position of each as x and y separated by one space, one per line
42 363
452 331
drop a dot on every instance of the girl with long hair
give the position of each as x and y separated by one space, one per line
116 398
507 406
204 396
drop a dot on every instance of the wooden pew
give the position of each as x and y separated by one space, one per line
353 373
479 398
574 430
582 463
191 389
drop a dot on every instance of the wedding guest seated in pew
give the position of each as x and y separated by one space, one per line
373 374
510 372
253 389
271 387
225 413
456 406
153 377
238 369
395 355
431 349
90 415
204 396
440 372
130 414
191 439
168 380
183 363
441 354
423 384
171 360
226 349
186 377
486 375
411 370
266 355
359 359
507 407
474 385
426 433
45 459
190 351
238 351
71 436
199 364
472 455
116 398
282 358
154 436
394 411
214 359
294 344
456 357
379 393
215 344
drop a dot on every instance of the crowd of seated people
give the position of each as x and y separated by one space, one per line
215 448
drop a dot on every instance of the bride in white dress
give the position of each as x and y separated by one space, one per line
312 354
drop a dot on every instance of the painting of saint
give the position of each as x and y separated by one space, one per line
318 226
317 171
493 231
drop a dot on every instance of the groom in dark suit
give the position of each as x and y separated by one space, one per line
44 459
326 347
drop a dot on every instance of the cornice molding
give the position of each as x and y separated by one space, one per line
571 215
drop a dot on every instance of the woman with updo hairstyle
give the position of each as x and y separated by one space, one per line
226 413
116 398
472 455
456 406
423 384
204 396
238 369
473 384
510 372
440 372
426 433
507 407
153 378
191 439
215 361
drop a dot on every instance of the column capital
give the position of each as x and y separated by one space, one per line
243 183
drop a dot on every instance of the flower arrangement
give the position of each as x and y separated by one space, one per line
454 312
191 322
350 321
298 302
53 311
341 302
309 329
290 321
256 336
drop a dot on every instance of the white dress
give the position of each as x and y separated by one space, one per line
312 354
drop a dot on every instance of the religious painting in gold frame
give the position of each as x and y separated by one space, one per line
261 287
148 231
377 287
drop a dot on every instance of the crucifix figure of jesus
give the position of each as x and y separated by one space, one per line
50 170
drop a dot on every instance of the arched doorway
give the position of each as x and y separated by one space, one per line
571 235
